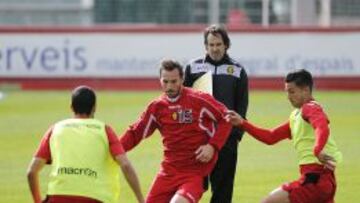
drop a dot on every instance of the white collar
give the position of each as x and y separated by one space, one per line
173 100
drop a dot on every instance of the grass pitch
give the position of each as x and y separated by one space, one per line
25 116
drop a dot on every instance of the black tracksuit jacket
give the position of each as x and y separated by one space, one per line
230 84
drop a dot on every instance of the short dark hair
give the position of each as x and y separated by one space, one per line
169 65
301 78
83 100
217 30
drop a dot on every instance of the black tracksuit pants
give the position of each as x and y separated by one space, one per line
222 177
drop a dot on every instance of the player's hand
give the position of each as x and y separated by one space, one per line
205 153
233 118
327 160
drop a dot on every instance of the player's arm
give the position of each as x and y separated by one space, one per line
41 157
188 79
267 136
130 176
142 128
217 110
314 114
33 171
223 129
118 153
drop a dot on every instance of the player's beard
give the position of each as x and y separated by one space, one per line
172 93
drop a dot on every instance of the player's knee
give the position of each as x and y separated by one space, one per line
268 200
272 199
179 199
277 196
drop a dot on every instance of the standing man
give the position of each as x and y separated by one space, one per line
230 86
84 153
308 127
193 130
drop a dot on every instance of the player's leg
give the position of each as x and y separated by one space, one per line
329 176
179 199
277 196
162 189
223 174
312 187
190 190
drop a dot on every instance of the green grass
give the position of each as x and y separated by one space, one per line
25 116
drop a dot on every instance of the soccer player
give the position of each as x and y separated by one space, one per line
230 86
83 153
308 127
193 129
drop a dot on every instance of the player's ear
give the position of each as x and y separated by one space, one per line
306 89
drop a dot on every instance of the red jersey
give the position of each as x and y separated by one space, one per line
185 123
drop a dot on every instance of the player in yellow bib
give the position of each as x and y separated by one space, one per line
85 155
308 128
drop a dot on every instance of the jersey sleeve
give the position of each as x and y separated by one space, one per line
217 113
241 99
242 94
188 79
43 150
114 143
142 128
268 136
314 114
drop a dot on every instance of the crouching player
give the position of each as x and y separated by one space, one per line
308 128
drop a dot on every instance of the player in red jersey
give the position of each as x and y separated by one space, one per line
193 129
308 127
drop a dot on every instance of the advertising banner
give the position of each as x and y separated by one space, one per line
137 55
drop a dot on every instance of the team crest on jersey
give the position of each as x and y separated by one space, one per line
230 70
174 116
183 116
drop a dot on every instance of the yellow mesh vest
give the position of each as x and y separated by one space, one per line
82 164
303 136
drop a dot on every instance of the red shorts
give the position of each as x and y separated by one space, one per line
165 186
316 185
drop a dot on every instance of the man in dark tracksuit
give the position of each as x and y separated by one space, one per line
230 86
